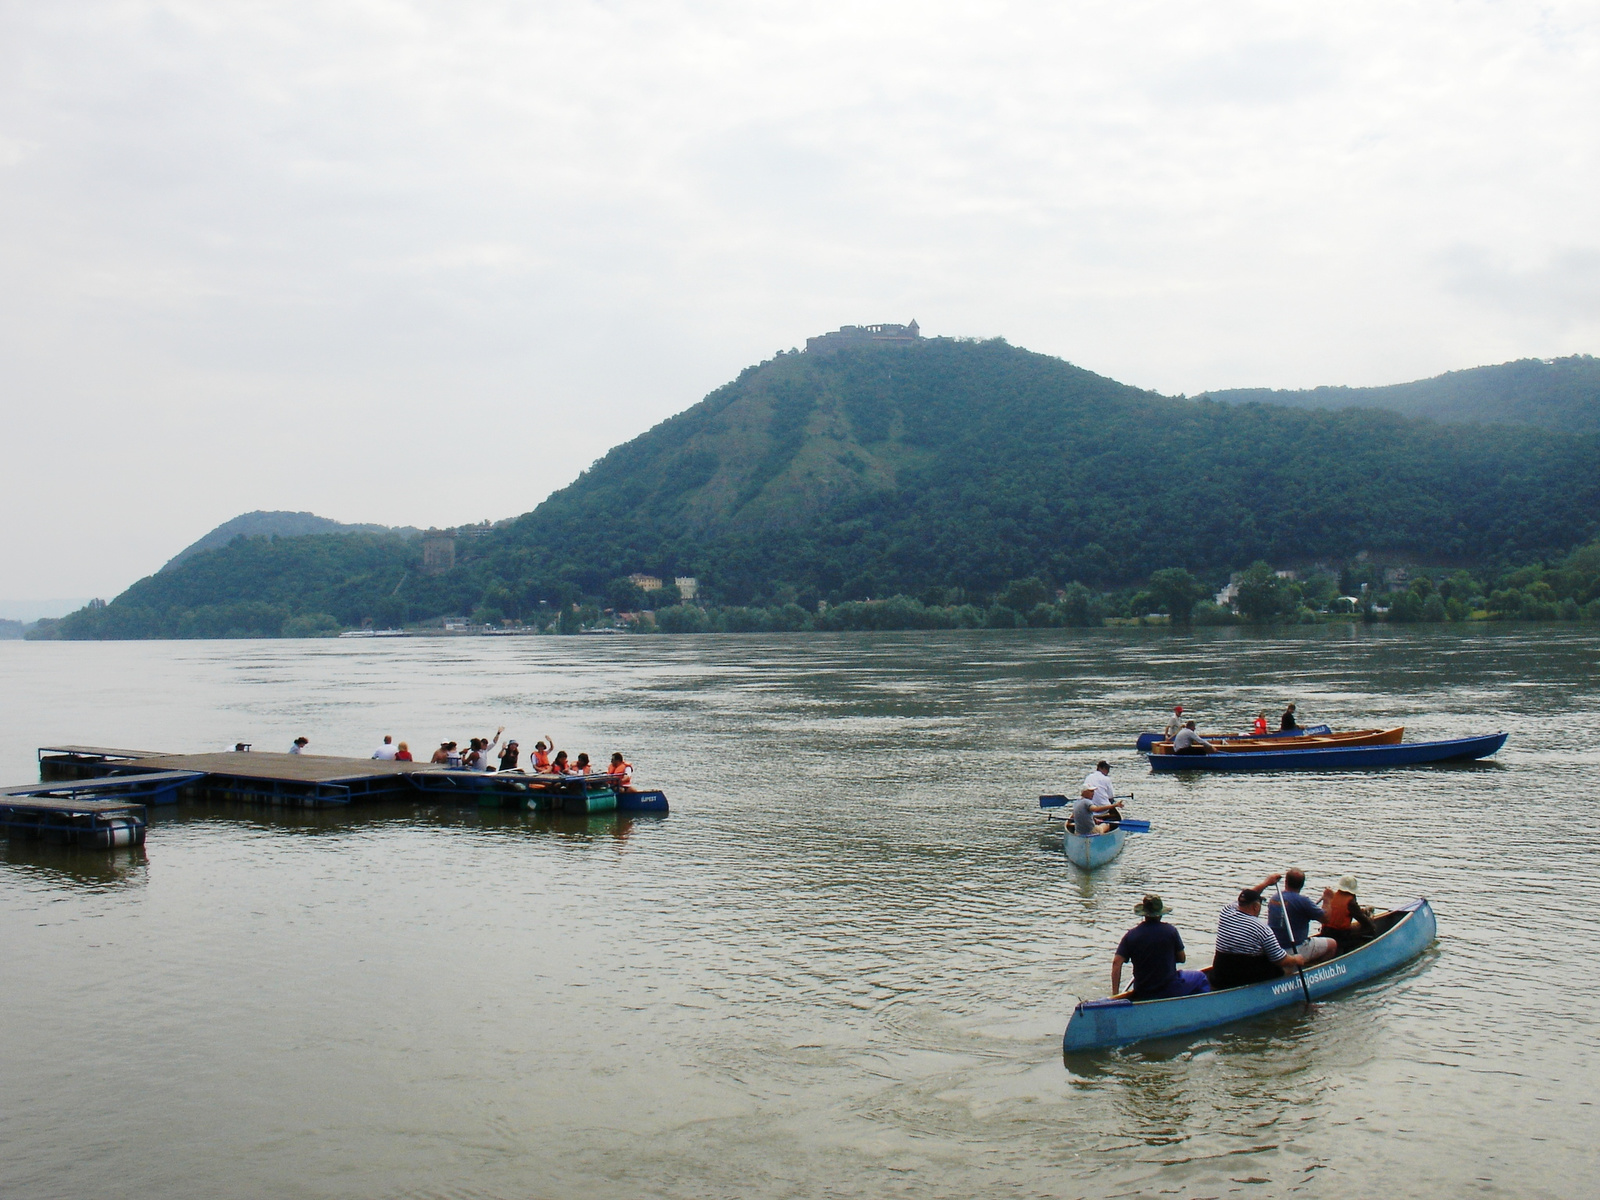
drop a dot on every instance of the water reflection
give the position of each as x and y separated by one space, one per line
41 864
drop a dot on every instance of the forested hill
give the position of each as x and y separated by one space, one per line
938 465
963 464
273 524
1561 394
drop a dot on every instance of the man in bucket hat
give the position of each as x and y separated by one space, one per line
1155 950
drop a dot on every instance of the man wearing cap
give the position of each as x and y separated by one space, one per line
1247 951
1345 921
1175 724
1155 950
1094 800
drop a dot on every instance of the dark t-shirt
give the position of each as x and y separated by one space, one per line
1153 948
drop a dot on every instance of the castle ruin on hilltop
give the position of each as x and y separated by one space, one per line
864 335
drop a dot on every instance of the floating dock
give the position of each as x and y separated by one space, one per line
317 780
99 813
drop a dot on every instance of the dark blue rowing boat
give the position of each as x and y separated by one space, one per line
1098 1024
1145 740
1333 758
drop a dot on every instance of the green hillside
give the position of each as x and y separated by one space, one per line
1561 394
273 524
943 470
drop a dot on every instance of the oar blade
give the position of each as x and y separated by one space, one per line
1052 801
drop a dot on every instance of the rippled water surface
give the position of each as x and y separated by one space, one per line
840 968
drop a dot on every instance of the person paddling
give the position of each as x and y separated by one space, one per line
1155 950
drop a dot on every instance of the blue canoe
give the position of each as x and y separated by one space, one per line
1098 1024
1145 740
1333 758
1091 852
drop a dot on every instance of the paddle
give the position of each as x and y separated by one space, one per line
1059 801
1301 971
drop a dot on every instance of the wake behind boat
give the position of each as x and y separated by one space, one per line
1098 1024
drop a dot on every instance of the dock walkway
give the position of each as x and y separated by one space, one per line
324 779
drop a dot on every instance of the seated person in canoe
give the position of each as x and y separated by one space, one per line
1344 920
1260 726
1155 950
1289 720
1094 801
1188 741
1289 916
1247 951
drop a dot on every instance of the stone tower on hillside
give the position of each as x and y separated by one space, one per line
864 335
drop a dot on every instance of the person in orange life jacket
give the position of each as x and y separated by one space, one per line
541 755
1260 727
558 765
621 771
1344 920
581 767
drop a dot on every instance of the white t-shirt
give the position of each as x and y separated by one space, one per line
486 757
1101 785
386 752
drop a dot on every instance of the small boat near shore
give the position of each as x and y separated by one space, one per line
1333 758
1099 1024
1316 741
1087 853
1145 740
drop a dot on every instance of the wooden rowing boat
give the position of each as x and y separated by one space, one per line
1098 1024
1333 758
1352 737
1145 740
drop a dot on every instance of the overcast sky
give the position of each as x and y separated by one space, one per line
421 263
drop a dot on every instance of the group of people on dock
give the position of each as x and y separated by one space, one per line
489 754
1180 730
1250 947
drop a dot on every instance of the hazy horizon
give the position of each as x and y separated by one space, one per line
409 265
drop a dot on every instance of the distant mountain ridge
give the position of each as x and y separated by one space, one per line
1558 393
927 469
262 523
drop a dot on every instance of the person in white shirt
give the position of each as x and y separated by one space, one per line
1175 724
486 757
1097 784
300 744
386 752
1102 803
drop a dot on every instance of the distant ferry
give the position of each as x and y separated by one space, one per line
375 633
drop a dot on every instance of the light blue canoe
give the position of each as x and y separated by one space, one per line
1091 852
1097 1024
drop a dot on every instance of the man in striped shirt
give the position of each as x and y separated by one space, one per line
1247 951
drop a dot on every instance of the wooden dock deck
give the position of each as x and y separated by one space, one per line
324 779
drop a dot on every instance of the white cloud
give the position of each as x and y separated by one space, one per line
420 262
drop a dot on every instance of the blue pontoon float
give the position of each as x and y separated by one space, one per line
1098 1024
1333 758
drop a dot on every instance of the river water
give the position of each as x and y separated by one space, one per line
841 967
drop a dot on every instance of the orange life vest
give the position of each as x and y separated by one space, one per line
1261 725
541 760
624 769
1338 910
